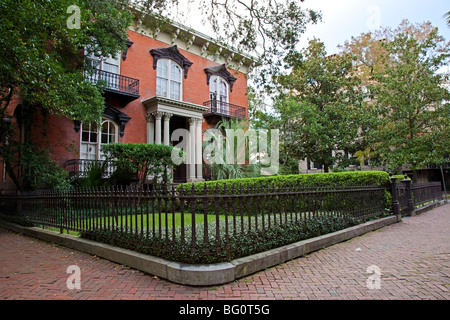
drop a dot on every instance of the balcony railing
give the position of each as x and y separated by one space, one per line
115 82
79 168
223 109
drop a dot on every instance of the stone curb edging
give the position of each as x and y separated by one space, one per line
260 261
202 275
427 207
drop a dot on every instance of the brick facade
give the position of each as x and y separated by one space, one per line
64 137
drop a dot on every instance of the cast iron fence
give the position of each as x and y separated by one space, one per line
425 193
408 196
170 221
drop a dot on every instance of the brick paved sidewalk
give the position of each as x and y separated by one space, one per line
413 257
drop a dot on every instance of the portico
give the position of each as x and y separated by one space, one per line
184 115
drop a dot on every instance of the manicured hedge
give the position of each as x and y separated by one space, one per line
379 178
268 185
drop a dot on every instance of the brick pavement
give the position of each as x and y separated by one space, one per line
413 256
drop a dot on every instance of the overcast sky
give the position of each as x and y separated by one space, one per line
342 19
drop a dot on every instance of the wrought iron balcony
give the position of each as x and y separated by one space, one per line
79 168
219 109
125 88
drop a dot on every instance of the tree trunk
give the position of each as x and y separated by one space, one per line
13 175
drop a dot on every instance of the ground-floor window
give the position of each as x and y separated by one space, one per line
93 137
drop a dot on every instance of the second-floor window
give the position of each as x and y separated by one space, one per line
110 64
169 79
218 93
106 69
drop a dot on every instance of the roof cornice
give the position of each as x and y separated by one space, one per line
209 46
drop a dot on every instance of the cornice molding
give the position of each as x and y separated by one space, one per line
199 44
157 104
171 53
222 72
113 114
128 43
117 116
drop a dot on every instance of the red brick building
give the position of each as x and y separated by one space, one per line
164 81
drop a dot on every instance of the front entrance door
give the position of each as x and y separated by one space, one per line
180 172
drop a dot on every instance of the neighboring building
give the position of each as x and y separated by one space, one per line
162 82
308 166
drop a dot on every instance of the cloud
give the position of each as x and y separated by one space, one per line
346 18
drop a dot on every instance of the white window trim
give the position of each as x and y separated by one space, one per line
220 79
170 62
221 106
98 144
102 59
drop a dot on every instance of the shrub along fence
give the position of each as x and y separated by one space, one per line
218 222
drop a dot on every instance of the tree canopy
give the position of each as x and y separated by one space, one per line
410 123
318 106
42 59
385 96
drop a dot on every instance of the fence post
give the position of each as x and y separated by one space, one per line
409 201
395 204
18 206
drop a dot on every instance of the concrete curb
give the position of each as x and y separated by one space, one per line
202 275
427 207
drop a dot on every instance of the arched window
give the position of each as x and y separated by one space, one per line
218 94
169 79
92 138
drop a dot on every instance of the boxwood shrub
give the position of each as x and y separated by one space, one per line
267 185
349 178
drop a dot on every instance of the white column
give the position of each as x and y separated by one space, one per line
167 117
158 116
199 149
191 153
150 128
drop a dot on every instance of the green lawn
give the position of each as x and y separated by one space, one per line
143 220
150 222
163 219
